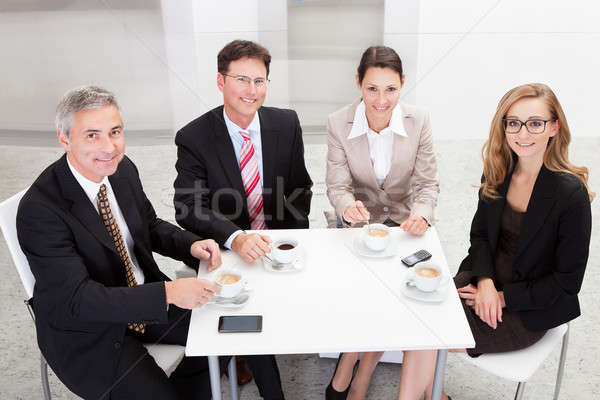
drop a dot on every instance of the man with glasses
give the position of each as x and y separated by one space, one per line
241 166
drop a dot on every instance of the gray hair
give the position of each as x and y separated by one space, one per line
79 99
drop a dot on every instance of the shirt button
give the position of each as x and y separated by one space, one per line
385 209
117 345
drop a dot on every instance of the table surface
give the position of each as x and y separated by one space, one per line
338 302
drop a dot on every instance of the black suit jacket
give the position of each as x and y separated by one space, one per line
209 193
81 299
552 249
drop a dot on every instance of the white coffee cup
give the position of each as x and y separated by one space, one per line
376 236
284 251
231 283
427 277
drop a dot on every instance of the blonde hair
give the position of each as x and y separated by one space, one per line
498 156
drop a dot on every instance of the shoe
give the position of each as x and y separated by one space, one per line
330 392
243 372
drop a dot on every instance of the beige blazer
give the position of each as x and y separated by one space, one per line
411 186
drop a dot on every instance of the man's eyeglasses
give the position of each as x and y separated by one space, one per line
535 126
245 80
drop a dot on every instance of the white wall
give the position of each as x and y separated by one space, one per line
45 53
472 52
460 56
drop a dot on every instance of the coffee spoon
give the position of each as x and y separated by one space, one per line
239 299
277 264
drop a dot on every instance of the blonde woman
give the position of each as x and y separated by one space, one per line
380 167
530 234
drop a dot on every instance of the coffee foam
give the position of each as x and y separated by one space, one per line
427 272
228 279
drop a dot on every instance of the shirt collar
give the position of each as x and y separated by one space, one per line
233 128
90 188
360 126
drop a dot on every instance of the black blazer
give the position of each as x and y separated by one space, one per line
552 251
81 299
209 193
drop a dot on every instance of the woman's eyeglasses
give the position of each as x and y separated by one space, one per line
535 126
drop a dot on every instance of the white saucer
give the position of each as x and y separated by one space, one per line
360 248
295 266
226 302
436 296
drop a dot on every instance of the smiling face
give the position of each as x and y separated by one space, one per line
95 144
523 143
380 90
241 101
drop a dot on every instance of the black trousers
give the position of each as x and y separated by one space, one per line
139 377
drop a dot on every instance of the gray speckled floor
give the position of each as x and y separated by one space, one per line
306 376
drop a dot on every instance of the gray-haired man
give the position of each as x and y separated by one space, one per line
88 232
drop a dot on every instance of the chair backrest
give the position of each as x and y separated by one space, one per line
8 223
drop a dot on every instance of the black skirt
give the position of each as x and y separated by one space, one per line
510 334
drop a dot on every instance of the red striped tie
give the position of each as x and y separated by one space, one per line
251 179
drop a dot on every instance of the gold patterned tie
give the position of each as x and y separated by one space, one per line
113 230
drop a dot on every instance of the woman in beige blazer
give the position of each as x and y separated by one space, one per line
380 167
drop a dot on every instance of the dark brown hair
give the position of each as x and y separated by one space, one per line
379 56
239 49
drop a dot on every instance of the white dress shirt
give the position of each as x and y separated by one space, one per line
238 141
381 145
91 189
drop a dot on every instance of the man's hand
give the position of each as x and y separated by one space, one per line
190 292
415 225
251 246
356 212
207 250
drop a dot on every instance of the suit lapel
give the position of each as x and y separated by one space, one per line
269 136
360 149
81 207
124 195
540 204
225 152
495 209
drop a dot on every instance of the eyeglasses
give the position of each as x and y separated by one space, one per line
534 126
245 80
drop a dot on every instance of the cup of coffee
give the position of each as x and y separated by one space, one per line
376 236
231 283
428 277
284 251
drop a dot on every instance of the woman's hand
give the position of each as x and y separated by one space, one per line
468 293
415 225
488 305
356 212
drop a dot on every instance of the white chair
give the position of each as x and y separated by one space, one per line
520 365
167 356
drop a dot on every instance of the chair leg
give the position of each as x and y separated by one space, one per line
233 385
520 390
45 383
561 364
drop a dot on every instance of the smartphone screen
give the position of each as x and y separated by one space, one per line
240 323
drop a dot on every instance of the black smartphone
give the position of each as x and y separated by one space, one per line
240 323
416 257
